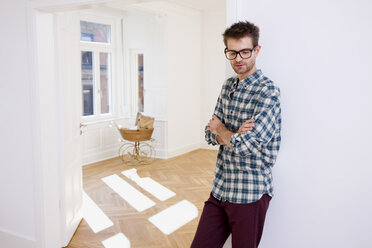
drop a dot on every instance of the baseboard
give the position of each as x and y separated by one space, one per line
9 240
159 153
113 153
74 226
209 147
101 156
182 150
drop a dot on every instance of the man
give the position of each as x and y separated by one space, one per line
246 124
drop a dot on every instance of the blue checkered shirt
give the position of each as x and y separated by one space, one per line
243 171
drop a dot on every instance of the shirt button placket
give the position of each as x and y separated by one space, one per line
223 198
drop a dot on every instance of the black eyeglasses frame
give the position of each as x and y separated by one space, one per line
238 52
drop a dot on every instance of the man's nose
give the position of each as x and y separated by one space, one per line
238 58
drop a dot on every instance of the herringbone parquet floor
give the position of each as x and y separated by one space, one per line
189 176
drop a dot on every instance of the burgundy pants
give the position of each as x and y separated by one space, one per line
245 222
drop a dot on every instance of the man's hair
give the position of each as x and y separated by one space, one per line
241 29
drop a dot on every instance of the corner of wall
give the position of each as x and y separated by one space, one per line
10 240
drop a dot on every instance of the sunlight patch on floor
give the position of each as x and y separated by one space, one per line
174 217
117 241
131 195
94 216
150 185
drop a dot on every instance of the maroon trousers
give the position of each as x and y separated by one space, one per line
245 222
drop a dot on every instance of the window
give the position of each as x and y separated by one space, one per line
87 81
105 78
95 32
137 79
96 69
139 70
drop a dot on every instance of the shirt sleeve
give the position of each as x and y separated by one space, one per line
210 137
265 117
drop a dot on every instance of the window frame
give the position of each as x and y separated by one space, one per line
96 48
134 78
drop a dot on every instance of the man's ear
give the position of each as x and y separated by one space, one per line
257 50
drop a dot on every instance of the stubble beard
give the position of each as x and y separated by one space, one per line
246 69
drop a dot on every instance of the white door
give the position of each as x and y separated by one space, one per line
68 60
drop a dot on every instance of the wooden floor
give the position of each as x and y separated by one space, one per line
189 176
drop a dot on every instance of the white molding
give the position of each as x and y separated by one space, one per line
114 153
63 5
159 153
35 127
209 147
12 240
95 157
163 8
75 224
183 150
110 150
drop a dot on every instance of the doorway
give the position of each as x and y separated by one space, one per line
60 108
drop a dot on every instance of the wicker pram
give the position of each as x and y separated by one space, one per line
137 145
136 135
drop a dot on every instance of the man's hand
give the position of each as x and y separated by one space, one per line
217 127
247 126
223 134
220 141
215 124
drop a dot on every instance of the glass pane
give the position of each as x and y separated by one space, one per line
140 82
105 81
87 82
95 32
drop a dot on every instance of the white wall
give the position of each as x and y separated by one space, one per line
213 66
319 53
183 44
17 207
193 62
146 32
181 74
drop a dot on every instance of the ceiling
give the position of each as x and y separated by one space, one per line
201 5
204 5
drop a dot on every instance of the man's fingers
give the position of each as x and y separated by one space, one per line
249 125
245 129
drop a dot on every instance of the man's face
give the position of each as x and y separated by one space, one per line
243 67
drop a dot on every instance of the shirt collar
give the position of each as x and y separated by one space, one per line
249 80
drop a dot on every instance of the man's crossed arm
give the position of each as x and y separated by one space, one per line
223 134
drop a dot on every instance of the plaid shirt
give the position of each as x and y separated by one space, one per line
243 171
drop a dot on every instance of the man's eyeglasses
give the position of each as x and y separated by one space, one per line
244 54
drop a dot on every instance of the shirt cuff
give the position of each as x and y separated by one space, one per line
237 146
214 139
235 138
210 137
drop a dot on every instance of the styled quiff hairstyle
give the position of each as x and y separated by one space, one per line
241 29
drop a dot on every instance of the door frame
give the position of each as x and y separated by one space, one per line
47 126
